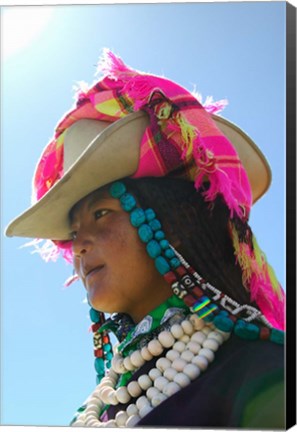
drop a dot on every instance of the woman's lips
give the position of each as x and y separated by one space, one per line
93 271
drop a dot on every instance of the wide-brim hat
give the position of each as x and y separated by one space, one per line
97 153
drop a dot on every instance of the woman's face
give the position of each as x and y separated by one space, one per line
111 260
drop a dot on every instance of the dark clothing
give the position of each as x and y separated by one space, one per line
224 395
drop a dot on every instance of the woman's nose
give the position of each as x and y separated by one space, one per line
82 243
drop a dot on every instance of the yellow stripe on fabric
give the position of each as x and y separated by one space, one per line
110 107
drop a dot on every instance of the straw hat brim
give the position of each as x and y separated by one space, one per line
114 154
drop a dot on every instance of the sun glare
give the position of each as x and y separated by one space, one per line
21 25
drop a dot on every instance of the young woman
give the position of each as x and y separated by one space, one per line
149 193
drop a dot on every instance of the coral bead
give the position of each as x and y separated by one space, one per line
166 339
182 379
134 389
145 382
172 354
163 363
177 331
200 361
137 359
123 395
206 352
155 348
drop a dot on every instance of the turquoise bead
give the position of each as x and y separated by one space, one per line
162 265
159 235
108 356
117 189
164 244
155 225
175 262
108 364
277 336
94 315
223 323
128 202
150 214
209 318
169 252
99 366
145 233
137 217
107 347
153 249
246 330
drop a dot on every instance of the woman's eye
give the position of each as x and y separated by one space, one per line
99 213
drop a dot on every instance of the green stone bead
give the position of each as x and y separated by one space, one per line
162 265
145 233
117 189
128 202
159 235
137 217
99 366
223 323
94 315
150 214
277 336
153 249
246 330
155 225
108 356
107 347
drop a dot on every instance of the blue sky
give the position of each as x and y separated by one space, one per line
227 50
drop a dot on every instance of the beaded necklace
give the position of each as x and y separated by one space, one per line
190 342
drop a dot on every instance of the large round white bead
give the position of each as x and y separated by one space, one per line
131 410
152 392
170 373
158 399
182 379
123 395
179 346
179 364
141 402
197 322
206 330
200 361
206 352
103 393
185 338
128 364
211 344
166 339
160 382
110 424
112 398
146 355
163 363
145 410
132 421
194 347
145 382
154 374
217 336
171 388
177 331
134 389
192 371
117 363
172 354
187 327
136 359
155 348
198 337
187 355
121 418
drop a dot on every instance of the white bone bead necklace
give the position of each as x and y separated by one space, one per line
190 345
